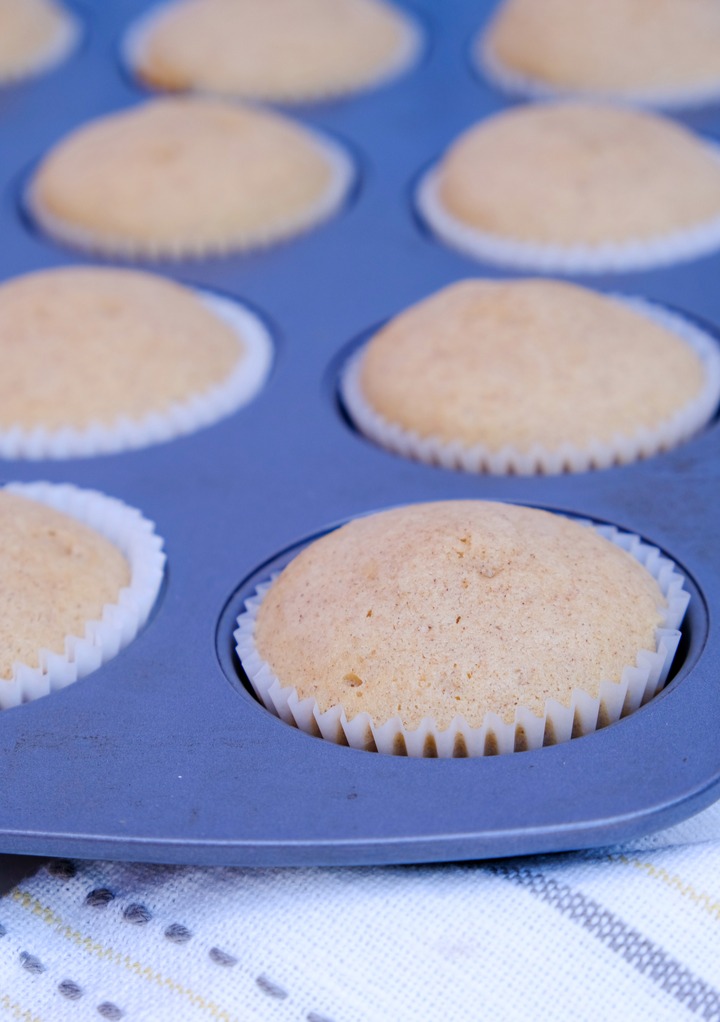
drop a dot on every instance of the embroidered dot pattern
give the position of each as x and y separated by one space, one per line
62 868
31 963
137 914
99 898
222 957
110 1011
271 989
70 990
178 933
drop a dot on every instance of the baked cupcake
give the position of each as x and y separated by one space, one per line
104 558
285 51
187 177
97 360
530 376
611 189
462 628
664 53
35 35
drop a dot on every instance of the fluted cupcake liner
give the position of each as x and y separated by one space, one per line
606 257
66 38
182 417
585 713
342 176
537 459
515 83
120 622
407 53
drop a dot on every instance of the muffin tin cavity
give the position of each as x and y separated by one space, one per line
574 215
585 714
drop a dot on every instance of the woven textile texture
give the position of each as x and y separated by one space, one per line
624 933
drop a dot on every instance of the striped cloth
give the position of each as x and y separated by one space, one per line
619 934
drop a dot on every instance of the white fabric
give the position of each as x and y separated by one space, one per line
629 934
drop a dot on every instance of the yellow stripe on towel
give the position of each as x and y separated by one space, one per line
685 888
14 1009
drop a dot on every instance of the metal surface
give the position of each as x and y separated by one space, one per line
159 756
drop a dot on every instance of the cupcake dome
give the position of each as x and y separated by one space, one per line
283 50
665 52
186 177
462 615
610 188
533 376
99 359
34 36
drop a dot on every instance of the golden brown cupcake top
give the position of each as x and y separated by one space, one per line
526 362
83 345
182 176
600 174
33 33
57 574
456 608
289 50
612 46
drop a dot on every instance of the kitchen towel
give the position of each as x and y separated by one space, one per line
624 933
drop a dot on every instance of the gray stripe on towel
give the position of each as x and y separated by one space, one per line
639 951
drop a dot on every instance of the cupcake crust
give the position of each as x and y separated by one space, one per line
600 175
614 48
34 35
84 345
456 608
283 50
186 177
522 363
46 554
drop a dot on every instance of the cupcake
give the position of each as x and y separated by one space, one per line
97 360
187 177
35 35
285 51
664 53
462 628
610 189
531 376
101 555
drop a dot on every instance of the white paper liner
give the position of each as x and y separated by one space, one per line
134 43
66 38
606 257
135 536
342 177
515 83
182 417
585 713
537 459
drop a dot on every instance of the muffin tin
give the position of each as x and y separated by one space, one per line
163 754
